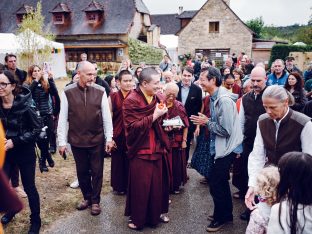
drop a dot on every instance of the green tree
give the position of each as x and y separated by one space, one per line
256 25
33 50
305 35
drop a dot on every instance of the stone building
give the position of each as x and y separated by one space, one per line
100 28
214 30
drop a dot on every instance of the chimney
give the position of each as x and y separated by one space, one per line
227 2
180 10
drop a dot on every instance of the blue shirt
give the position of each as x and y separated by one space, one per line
184 93
272 79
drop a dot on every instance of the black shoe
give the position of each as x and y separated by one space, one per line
50 161
34 228
52 149
43 167
215 226
245 215
6 218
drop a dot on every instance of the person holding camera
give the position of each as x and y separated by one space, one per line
22 126
43 88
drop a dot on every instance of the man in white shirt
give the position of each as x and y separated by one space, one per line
84 106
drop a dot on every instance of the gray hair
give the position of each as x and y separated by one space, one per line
279 93
247 82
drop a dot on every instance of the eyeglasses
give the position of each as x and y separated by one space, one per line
3 85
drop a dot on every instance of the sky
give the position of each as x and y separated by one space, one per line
273 12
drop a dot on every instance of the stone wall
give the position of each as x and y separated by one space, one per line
137 25
233 34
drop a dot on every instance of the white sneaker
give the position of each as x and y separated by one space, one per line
20 192
75 184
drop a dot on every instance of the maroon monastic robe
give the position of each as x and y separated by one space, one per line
119 164
147 143
177 154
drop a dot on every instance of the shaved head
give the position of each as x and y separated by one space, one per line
171 88
258 79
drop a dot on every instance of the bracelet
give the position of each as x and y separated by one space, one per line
184 140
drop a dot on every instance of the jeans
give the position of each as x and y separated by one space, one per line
220 189
27 170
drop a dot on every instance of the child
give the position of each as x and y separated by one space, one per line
293 213
266 190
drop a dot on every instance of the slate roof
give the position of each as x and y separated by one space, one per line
24 9
118 16
61 8
169 23
141 7
94 6
187 14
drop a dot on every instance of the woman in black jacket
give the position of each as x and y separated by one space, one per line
22 126
42 90
294 85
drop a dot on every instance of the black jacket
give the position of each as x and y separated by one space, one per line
300 100
21 123
194 99
42 99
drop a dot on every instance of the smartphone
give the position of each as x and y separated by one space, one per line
46 69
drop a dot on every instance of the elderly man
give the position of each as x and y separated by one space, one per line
280 130
290 66
279 76
177 136
251 109
225 139
168 76
84 105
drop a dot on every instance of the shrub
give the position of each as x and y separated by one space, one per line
142 52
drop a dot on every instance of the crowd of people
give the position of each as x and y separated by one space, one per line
243 122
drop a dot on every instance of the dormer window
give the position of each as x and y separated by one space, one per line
21 12
92 17
58 18
94 12
60 13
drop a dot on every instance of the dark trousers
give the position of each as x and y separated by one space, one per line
27 170
88 160
43 144
220 189
190 137
14 176
53 132
240 172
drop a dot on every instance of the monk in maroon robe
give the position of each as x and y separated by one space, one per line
120 164
147 143
177 137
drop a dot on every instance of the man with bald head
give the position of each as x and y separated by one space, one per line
251 109
178 138
85 107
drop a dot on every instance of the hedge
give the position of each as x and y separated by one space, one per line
142 52
282 51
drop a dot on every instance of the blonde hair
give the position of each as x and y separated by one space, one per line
267 182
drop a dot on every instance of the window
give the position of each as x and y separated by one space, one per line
214 27
58 18
92 17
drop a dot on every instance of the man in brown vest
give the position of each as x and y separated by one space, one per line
280 130
85 106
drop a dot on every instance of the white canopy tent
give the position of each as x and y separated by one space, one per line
10 43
